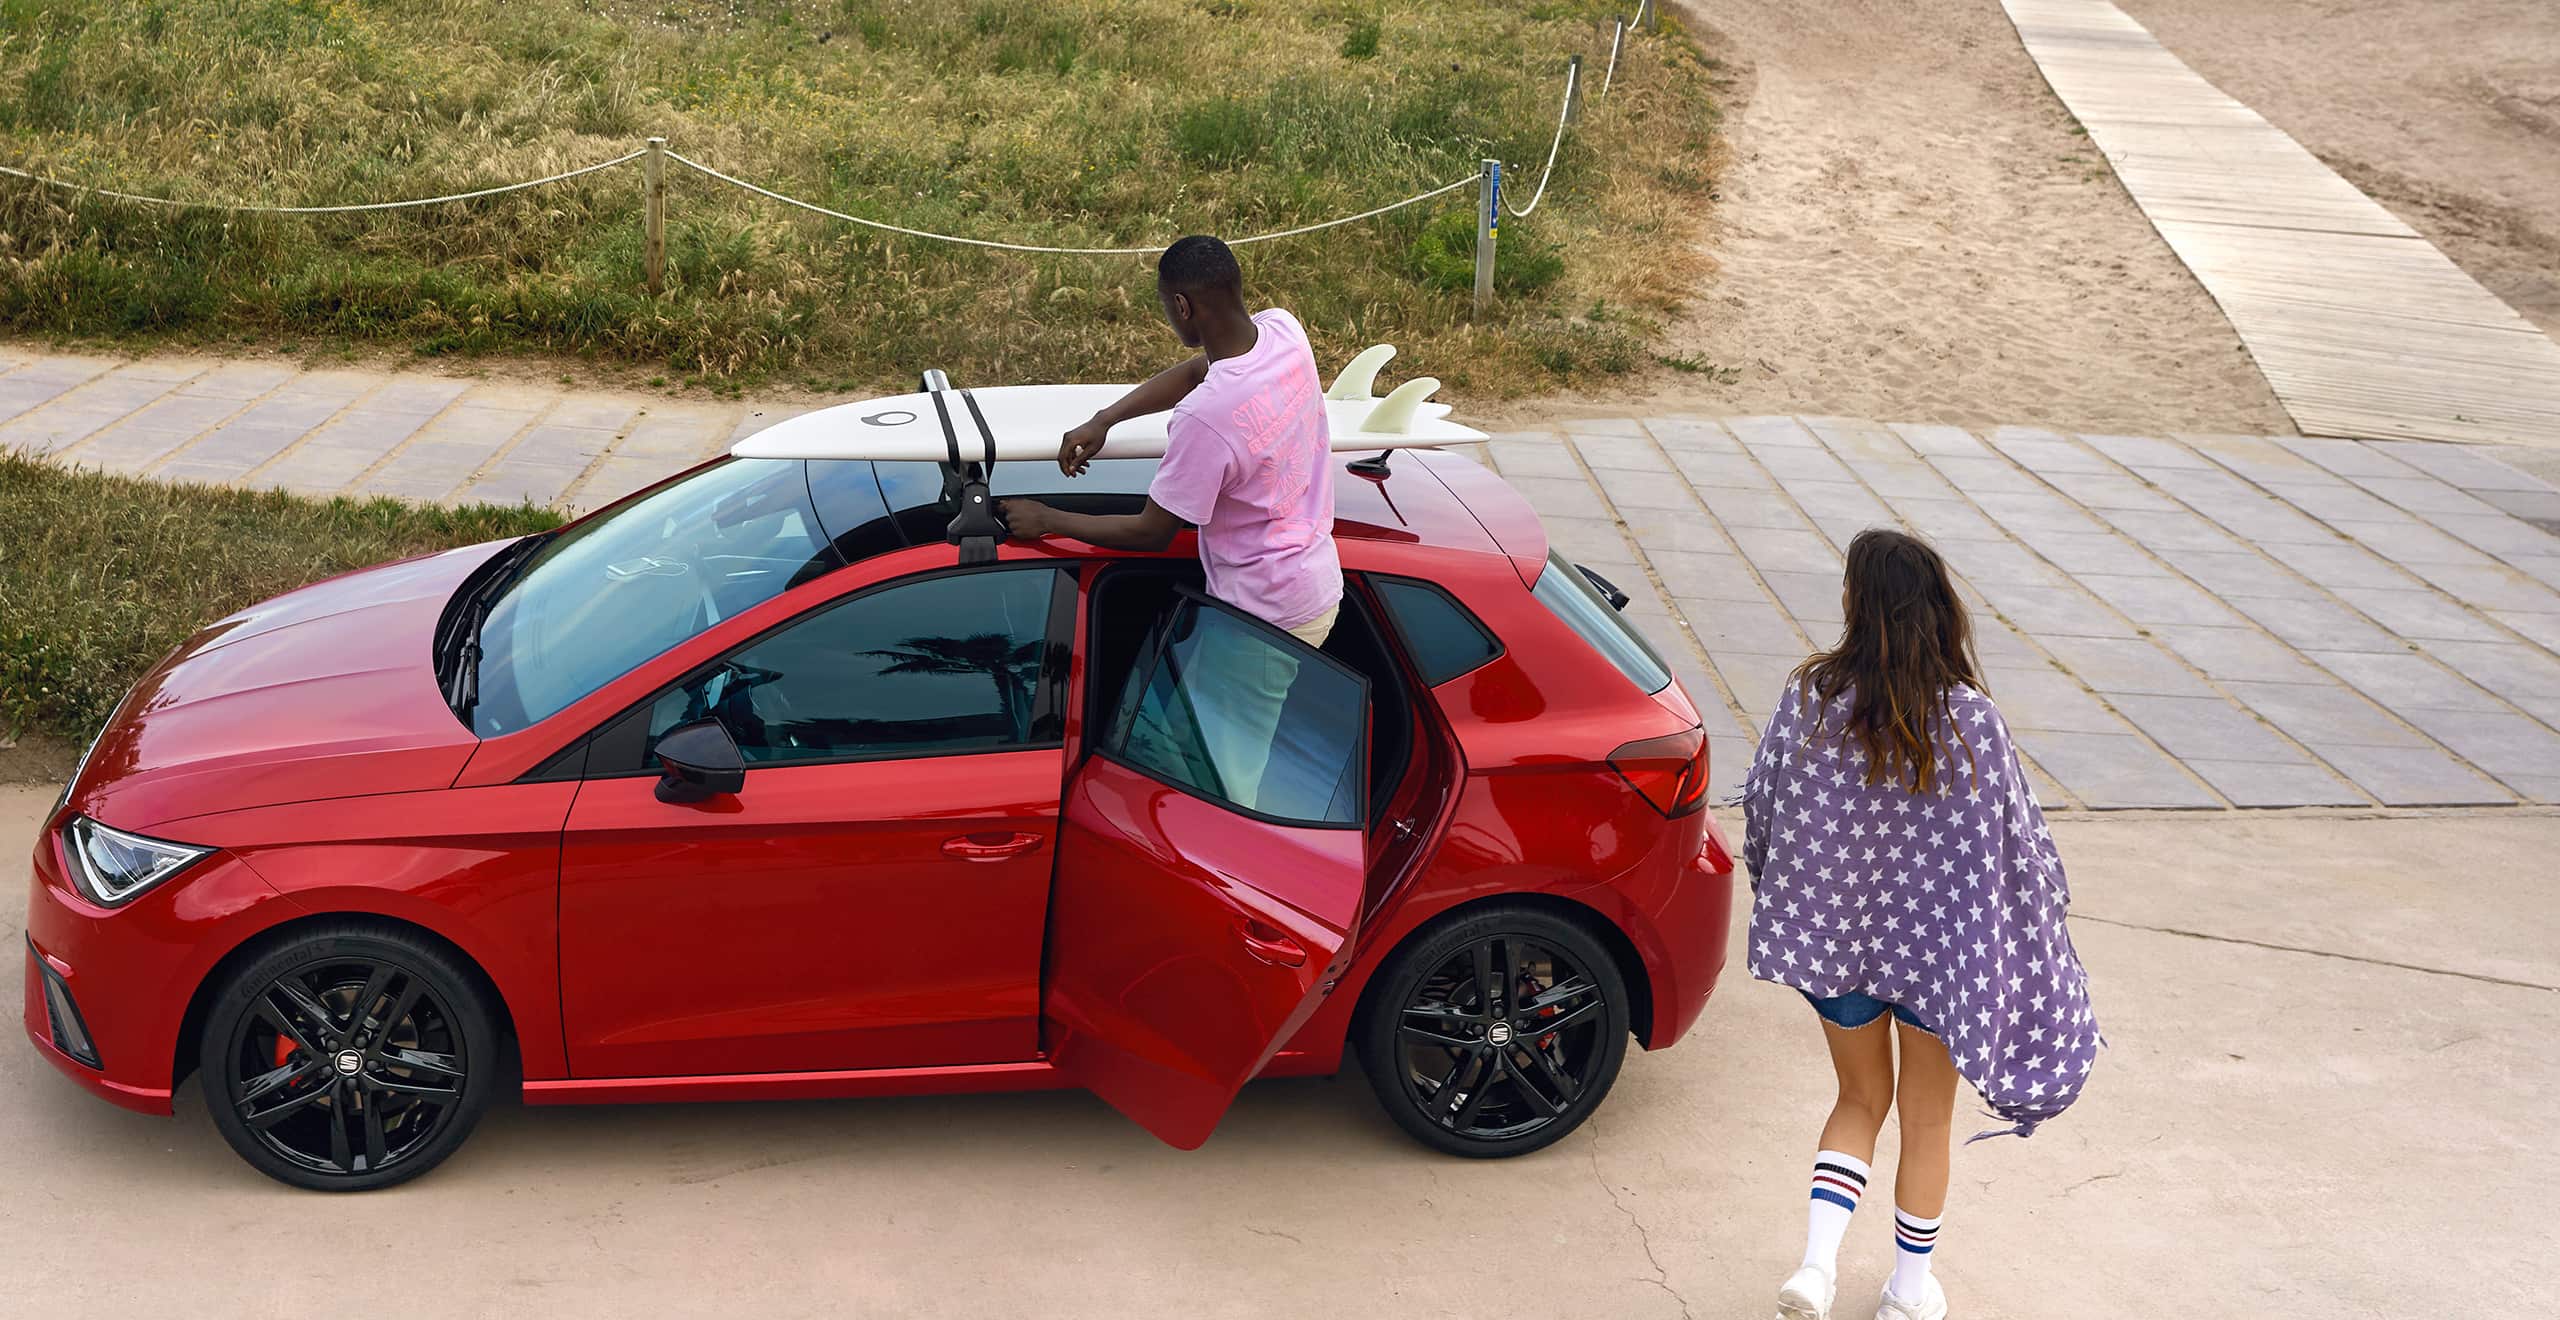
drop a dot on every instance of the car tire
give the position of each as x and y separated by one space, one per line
315 1096
1419 1029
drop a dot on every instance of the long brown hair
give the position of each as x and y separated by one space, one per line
1905 645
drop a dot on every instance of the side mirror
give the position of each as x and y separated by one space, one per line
701 761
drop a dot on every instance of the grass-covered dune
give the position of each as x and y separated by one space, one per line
1112 123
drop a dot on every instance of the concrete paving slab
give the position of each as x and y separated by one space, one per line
2109 490
231 451
2242 653
2263 521
2541 629
2498 533
1761 431
2260 784
1755 680
1634 452
1755 627
1629 490
2425 496
237 381
2411 543
2406 682
2413 776
1705 575
1778 550
2335 502
2539 506
1984 474
2206 729
1999 561
1556 497
2051 701
1938 441
2115 771
1812 598
2048 613
2045 452
2154 601
2520 753
2313 623
2229 573
2339 564
1529 458
2142 451
2420 614
2346 458
1728 472
2519 673
2173 530
56 427
2324 714
2460 466
1684 435
2257 458
2490 587
2124 665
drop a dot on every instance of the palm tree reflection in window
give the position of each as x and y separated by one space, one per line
1011 664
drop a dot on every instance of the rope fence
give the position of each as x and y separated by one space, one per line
1490 208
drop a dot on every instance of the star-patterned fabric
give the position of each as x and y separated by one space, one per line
1949 903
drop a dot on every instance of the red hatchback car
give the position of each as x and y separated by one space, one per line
751 786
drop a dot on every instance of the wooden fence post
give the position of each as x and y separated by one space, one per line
655 224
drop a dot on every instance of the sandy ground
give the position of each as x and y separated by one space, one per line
1913 228
2317 1103
2446 111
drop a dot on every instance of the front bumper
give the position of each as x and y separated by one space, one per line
131 971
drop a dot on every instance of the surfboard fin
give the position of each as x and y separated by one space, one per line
1360 376
1395 415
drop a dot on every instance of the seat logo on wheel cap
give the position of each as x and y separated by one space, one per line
349 1062
1498 1034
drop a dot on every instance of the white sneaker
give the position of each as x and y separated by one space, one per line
1807 1294
1930 1305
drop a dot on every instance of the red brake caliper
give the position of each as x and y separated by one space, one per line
284 1051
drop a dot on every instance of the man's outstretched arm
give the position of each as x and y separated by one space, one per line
1151 528
1159 392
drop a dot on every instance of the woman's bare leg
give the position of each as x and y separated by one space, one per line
1926 1101
1863 1061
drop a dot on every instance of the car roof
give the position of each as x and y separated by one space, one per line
1428 498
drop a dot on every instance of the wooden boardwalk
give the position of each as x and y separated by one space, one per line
2361 326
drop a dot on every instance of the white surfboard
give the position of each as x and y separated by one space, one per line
1029 420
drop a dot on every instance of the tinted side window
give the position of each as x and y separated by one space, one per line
1247 717
1443 639
948 664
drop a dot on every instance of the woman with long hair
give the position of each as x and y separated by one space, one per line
1903 874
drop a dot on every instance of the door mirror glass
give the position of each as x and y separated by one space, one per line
700 761
1243 714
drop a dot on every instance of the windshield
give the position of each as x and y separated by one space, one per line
618 589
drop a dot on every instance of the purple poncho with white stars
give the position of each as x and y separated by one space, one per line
1948 903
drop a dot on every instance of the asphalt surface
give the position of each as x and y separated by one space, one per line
2327 1097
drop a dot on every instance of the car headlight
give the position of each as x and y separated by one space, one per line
112 866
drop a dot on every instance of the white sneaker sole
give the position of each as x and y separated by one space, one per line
1795 1306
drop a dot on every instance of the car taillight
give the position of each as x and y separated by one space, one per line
1670 773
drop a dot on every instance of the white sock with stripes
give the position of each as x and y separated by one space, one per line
1839 1182
1914 1239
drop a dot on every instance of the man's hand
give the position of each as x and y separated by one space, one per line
1080 445
1027 520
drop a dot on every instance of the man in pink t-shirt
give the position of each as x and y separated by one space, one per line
1249 461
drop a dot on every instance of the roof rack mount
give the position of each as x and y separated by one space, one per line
976 527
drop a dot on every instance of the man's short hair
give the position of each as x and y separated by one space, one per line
1198 263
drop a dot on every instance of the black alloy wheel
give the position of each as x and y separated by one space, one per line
348 1059
1497 1034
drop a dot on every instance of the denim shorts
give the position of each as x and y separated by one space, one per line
1852 1011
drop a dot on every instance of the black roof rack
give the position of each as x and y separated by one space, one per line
976 528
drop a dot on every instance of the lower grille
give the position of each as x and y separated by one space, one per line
62 1017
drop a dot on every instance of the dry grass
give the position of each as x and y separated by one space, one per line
1105 124
100 576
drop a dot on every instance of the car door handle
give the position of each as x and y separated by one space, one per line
990 847
1268 944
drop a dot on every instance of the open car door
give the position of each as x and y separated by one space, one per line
1210 866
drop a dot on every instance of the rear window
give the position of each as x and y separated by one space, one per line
1563 589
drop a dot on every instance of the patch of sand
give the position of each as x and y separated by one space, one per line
2445 111
1913 228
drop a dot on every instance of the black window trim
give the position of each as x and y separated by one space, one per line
1395 625
630 725
1101 744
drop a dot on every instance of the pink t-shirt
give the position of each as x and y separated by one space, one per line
1249 461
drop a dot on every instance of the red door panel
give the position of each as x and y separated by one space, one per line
1175 977
1211 860
877 914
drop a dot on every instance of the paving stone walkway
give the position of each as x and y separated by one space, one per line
2167 622
2183 622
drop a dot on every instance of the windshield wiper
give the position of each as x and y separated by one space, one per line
458 654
